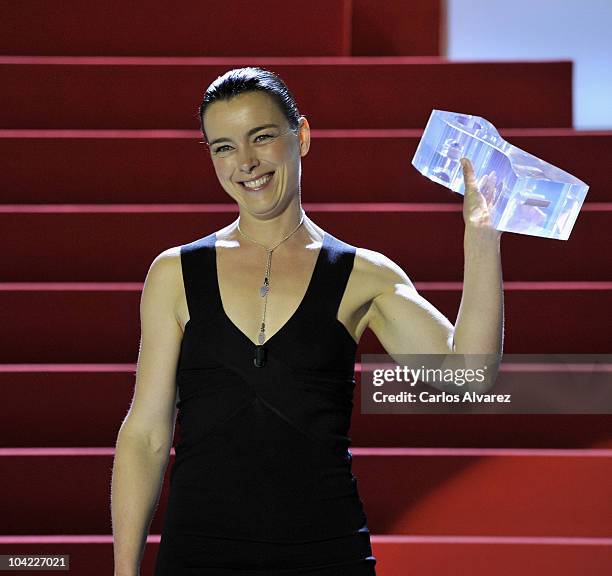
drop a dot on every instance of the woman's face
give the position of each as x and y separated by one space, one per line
249 138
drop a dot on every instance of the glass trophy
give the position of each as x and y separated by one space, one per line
531 196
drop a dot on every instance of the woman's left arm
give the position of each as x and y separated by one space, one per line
479 325
406 323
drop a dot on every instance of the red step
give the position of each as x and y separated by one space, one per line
482 556
100 323
386 92
428 240
404 491
485 492
399 28
165 28
396 555
358 27
172 166
60 389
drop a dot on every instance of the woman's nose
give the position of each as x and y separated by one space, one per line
247 160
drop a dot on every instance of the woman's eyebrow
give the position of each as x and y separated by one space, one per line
249 133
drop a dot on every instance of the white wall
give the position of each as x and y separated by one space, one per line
543 29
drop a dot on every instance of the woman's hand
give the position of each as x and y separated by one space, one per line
476 213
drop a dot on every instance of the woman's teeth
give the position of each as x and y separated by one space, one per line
259 182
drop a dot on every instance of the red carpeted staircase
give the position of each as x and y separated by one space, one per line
102 169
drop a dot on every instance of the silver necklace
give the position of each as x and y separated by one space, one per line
260 352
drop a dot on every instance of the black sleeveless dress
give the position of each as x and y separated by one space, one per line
261 482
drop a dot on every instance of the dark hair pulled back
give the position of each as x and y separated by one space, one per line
250 79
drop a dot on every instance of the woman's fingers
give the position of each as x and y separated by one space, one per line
485 185
478 196
491 184
468 173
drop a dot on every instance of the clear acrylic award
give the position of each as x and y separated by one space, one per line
531 196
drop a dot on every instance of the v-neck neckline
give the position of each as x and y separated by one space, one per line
292 318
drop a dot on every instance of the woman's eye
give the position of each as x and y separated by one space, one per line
226 148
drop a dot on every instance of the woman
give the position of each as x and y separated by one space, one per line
253 329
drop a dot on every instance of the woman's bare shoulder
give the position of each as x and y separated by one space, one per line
164 277
376 270
167 263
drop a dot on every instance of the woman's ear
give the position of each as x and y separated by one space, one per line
304 135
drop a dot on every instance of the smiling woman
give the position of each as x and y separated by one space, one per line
264 366
259 360
256 138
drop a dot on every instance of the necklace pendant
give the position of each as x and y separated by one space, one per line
260 356
261 338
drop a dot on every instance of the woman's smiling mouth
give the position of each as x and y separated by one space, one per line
260 183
